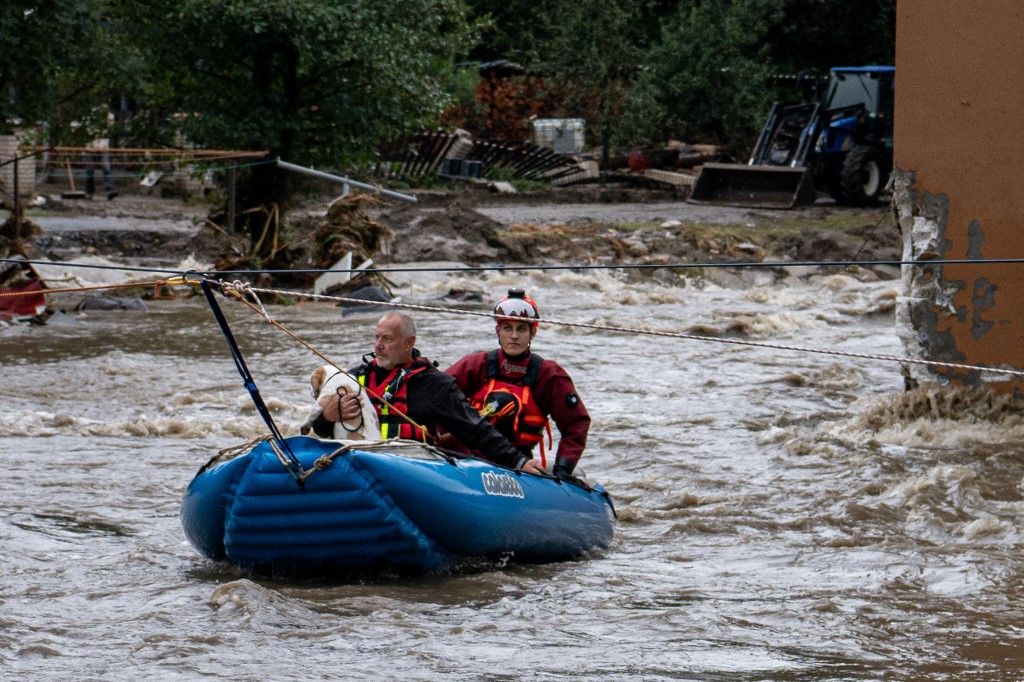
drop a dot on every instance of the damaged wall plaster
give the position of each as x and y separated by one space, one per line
928 318
924 297
958 186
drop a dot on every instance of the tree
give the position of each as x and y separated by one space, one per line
317 82
708 75
816 35
706 78
592 55
511 29
313 81
52 57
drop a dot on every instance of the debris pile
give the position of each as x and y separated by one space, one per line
16 238
676 165
453 233
347 228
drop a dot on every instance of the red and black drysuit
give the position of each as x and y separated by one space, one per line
541 389
431 399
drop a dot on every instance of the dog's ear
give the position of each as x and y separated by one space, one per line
317 380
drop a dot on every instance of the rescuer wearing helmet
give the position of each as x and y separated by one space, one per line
414 399
518 391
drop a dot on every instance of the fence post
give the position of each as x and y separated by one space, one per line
232 177
17 198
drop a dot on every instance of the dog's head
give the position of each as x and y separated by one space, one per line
331 379
317 380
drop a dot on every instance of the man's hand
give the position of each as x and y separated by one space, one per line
340 407
532 467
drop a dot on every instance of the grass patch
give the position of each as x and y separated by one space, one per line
756 225
844 221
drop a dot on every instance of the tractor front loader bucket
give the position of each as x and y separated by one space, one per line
736 184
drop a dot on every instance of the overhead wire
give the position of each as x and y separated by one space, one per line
683 265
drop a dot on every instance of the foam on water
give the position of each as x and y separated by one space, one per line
936 416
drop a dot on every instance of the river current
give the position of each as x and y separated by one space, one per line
781 515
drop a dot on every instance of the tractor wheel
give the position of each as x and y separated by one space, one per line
835 191
833 183
861 177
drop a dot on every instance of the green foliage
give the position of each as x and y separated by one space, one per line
461 83
323 82
52 60
815 35
511 177
706 78
520 30
512 30
311 80
592 55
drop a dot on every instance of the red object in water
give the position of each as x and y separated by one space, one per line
638 161
28 305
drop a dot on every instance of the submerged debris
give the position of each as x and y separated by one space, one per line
28 302
932 402
105 303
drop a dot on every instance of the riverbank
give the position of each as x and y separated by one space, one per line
584 226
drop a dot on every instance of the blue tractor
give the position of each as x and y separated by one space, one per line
842 145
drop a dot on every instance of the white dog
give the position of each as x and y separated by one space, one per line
328 380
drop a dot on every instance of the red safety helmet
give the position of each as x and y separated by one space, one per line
518 304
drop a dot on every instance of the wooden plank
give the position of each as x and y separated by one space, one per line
668 177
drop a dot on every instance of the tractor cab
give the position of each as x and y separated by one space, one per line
860 99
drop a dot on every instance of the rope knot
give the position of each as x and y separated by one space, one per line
244 292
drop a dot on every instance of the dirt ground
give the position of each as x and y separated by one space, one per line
591 224
645 229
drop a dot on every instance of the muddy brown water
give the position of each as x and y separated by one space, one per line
781 516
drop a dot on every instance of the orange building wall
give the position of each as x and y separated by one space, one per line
959 179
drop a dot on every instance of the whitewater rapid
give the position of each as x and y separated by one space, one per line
781 515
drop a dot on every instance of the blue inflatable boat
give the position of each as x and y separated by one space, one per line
395 505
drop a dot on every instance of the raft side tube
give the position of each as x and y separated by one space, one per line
268 521
552 520
204 505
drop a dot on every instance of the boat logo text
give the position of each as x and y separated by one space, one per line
501 484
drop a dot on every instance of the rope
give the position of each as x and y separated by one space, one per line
646 266
92 266
233 450
241 286
299 472
239 291
92 287
655 332
324 461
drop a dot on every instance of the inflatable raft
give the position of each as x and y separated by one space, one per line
395 504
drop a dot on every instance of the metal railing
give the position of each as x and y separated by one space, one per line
346 182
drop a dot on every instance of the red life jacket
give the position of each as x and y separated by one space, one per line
394 389
511 406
